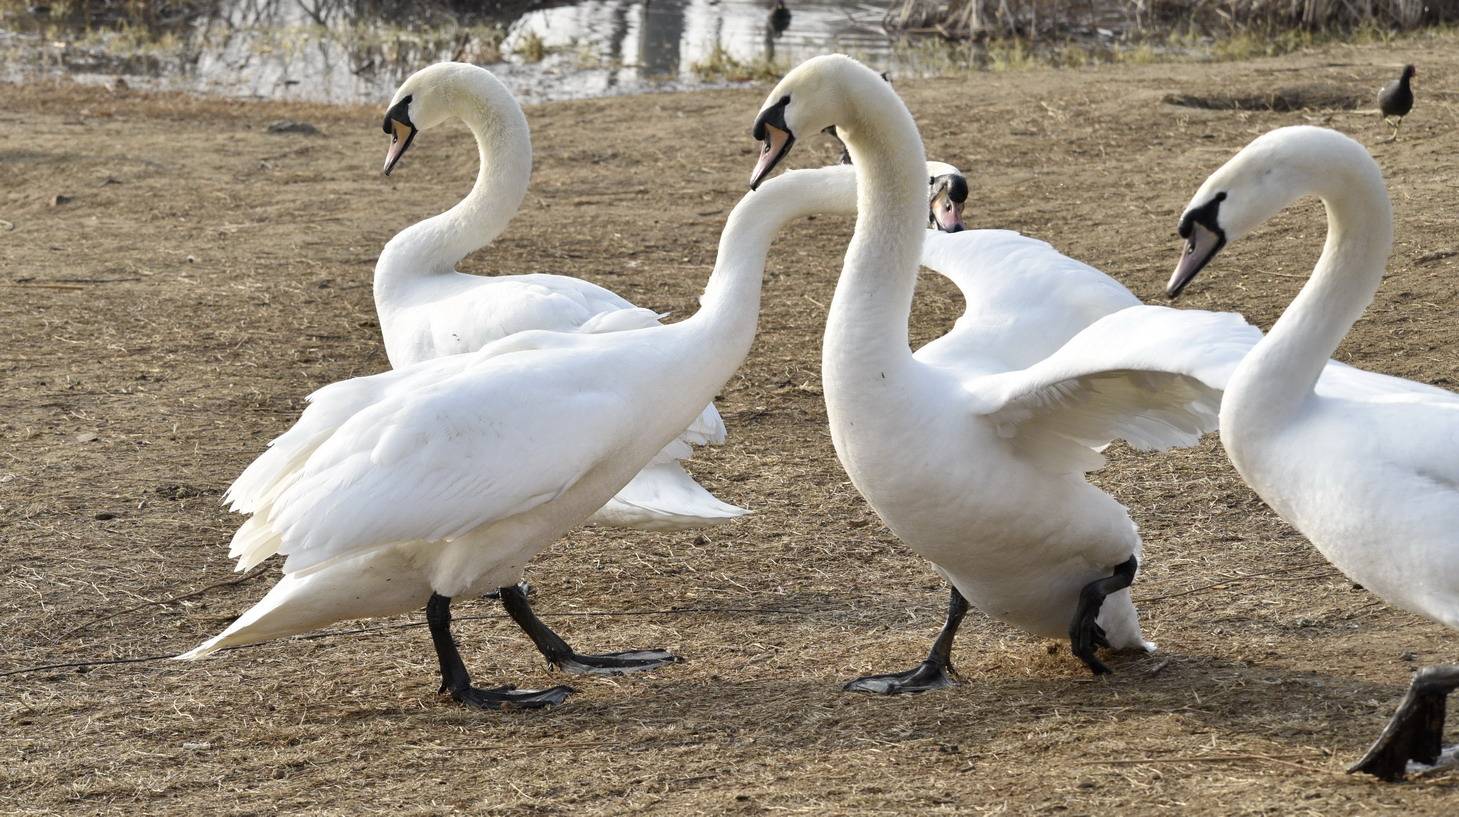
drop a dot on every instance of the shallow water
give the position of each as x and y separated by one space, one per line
349 51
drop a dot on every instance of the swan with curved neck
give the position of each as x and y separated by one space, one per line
443 478
1369 476
983 472
427 309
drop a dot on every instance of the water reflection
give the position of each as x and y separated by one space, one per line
359 50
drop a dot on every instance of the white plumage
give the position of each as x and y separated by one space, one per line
1365 466
1024 299
443 478
427 309
973 450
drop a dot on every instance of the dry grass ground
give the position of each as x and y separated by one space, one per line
167 321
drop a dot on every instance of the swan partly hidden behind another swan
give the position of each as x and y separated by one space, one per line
978 465
427 309
443 478
1367 468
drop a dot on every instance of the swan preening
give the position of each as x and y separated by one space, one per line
1369 475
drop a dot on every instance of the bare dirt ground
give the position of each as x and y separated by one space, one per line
168 320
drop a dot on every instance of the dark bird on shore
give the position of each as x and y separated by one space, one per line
1396 99
779 17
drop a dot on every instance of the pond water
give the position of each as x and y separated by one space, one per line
359 51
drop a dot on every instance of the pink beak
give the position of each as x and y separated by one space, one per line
777 143
399 140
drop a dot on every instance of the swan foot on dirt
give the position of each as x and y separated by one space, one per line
1085 635
509 697
934 673
456 680
1416 731
559 654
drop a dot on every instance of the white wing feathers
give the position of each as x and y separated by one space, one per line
619 320
1149 375
417 454
664 497
979 261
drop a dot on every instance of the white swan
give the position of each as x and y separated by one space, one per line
444 478
983 474
427 309
1367 467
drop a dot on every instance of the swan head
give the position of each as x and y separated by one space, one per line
423 101
949 189
820 93
949 194
1271 172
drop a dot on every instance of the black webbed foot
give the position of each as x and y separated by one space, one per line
456 680
926 676
561 655
934 673
1416 731
508 697
1085 637
1085 634
613 663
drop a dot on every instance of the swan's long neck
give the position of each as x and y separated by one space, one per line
866 328
730 304
1282 370
504 147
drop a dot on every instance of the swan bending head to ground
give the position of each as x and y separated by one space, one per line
1366 468
979 467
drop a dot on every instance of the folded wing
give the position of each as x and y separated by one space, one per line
425 453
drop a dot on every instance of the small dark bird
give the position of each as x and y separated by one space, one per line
1396 99
779 17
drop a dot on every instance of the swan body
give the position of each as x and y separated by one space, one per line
1365 466
445 477
428 309
977 466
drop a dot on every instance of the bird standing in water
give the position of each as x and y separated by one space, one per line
1396 99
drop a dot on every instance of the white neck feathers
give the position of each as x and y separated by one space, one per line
866 327
731 299
504 146
1284 367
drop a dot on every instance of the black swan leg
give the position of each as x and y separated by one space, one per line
457 681
560 655
1085 635
934 673
1416 730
